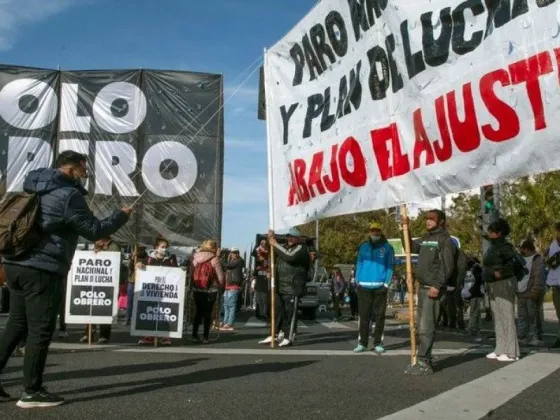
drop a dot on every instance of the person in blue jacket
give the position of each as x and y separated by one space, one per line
374 271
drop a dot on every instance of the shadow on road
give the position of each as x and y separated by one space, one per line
159 383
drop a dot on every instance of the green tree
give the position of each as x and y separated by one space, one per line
463 222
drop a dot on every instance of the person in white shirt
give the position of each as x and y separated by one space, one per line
553 278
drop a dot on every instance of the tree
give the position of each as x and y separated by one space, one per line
462 222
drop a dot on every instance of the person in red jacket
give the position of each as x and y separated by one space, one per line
159 257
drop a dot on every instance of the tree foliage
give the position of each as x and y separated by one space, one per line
531 205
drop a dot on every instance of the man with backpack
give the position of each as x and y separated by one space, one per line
50 218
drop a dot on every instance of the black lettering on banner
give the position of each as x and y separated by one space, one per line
298 57
458 42
544 3
93 301
362 12
436 51
286 115
396 77
352 95
327 119
414 61
319 41
520 7
314 109
378 85
499 13
311 59
334 22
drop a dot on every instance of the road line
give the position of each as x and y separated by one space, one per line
332 325
480 397
289 351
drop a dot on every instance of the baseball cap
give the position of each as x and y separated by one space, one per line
234 249
289 232
375 226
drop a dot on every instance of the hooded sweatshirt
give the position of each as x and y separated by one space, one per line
203 256
375 264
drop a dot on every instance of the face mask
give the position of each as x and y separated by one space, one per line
162 251
374 238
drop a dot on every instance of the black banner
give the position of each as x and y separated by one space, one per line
91 301
154 139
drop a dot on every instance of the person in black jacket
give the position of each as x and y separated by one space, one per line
292 270
473 292
36 278
434 271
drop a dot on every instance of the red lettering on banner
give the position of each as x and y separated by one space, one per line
400 164
465 133
315 173
333 183
358 176
443 150
508 121
422 142
529 71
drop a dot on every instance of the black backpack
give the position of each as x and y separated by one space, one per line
519 267
18 227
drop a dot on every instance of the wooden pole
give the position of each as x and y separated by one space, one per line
89 335
272 299
409 283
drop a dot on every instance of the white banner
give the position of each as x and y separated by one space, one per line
372 103
159 300
92 292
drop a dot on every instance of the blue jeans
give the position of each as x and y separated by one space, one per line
230 306
129 301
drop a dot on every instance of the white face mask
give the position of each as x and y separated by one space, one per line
162 251
374 238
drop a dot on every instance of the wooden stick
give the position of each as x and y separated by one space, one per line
272 299
89 335
409 284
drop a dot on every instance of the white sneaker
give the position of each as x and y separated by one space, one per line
285 342
281 336
267 340
492 356
506 358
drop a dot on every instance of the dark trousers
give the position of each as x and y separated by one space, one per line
337 300
286 311
262 299
34 304
428 313
451 310
372 301
353 303
104 331
62 310
204 303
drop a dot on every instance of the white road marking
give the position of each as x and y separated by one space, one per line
477 398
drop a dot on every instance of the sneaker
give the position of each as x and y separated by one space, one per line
267 340
195 339
536 343
492 356
205 341
165 341
506 358
419 369
146 340
360 349
281 336
62 335
378 349
285 343
103 340
41 398
4 396
84 339
556 345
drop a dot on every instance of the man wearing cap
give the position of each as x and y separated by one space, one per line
374 271
291 274
234 280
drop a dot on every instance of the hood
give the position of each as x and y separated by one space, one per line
44 181
202 256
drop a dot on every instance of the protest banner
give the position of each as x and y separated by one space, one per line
153 139
159 299
372 103
92 291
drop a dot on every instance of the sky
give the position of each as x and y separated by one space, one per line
215 36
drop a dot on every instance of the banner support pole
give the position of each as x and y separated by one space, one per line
409 283
89 335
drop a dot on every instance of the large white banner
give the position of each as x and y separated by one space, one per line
92 291
159 299
372 103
